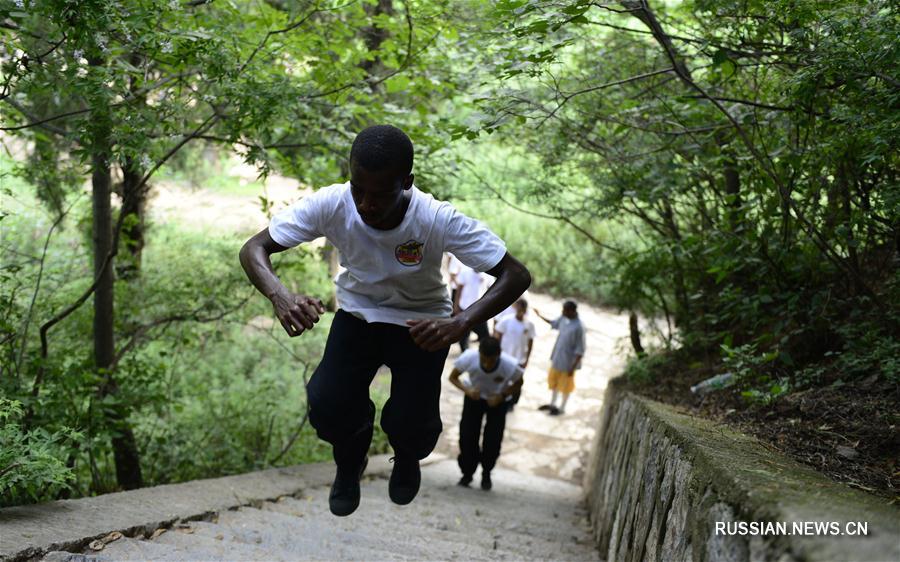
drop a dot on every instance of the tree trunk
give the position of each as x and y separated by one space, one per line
134 204
128 470
374 36
134 200
635 334
733 195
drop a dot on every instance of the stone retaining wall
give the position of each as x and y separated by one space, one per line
658 481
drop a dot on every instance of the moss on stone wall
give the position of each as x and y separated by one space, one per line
659 479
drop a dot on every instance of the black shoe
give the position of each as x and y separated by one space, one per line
465 480
554 411
546 407
405 479
344 497
486 483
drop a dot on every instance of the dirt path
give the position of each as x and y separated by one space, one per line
210 210
534 443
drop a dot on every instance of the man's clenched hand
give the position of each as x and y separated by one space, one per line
438 333
297 313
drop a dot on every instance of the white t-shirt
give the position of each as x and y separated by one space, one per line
516 335
390 275
504 375
470 284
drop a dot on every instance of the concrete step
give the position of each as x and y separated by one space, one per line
483 527
523 518
63 556
132 549
539 516
200 547
397 539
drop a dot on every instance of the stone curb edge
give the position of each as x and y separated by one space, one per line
29 532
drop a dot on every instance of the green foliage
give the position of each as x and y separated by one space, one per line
30 460
210 387
869 349
92 83
645 369
235 404
760 183
755 372
562 260
561 263
751 199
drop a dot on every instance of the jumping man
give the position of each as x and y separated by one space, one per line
394 308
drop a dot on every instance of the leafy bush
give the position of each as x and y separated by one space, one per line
206 382
645 369
31 465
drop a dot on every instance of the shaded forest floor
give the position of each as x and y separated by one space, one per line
848 431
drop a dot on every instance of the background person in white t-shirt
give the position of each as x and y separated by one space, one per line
493 378
454 266
394 308
470 286
516 335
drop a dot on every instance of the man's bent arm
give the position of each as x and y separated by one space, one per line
541 316
258 266
454 380
296 313
513 278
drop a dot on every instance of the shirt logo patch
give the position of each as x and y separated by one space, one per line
498 379
409 253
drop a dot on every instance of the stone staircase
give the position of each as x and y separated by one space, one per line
524 517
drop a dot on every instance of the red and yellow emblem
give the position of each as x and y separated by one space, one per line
409 253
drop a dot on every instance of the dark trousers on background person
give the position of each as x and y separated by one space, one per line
480 329
470 454
515 398
340 409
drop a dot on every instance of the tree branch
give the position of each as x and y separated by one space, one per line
567 97
566 220
37 287
36 122
746 102
649 18
45 328
192 316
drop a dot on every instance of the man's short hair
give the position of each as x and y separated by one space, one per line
382 147
523 303
570 304
489 346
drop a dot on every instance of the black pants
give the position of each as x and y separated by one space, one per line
515 397
470 454
339 405
480 329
